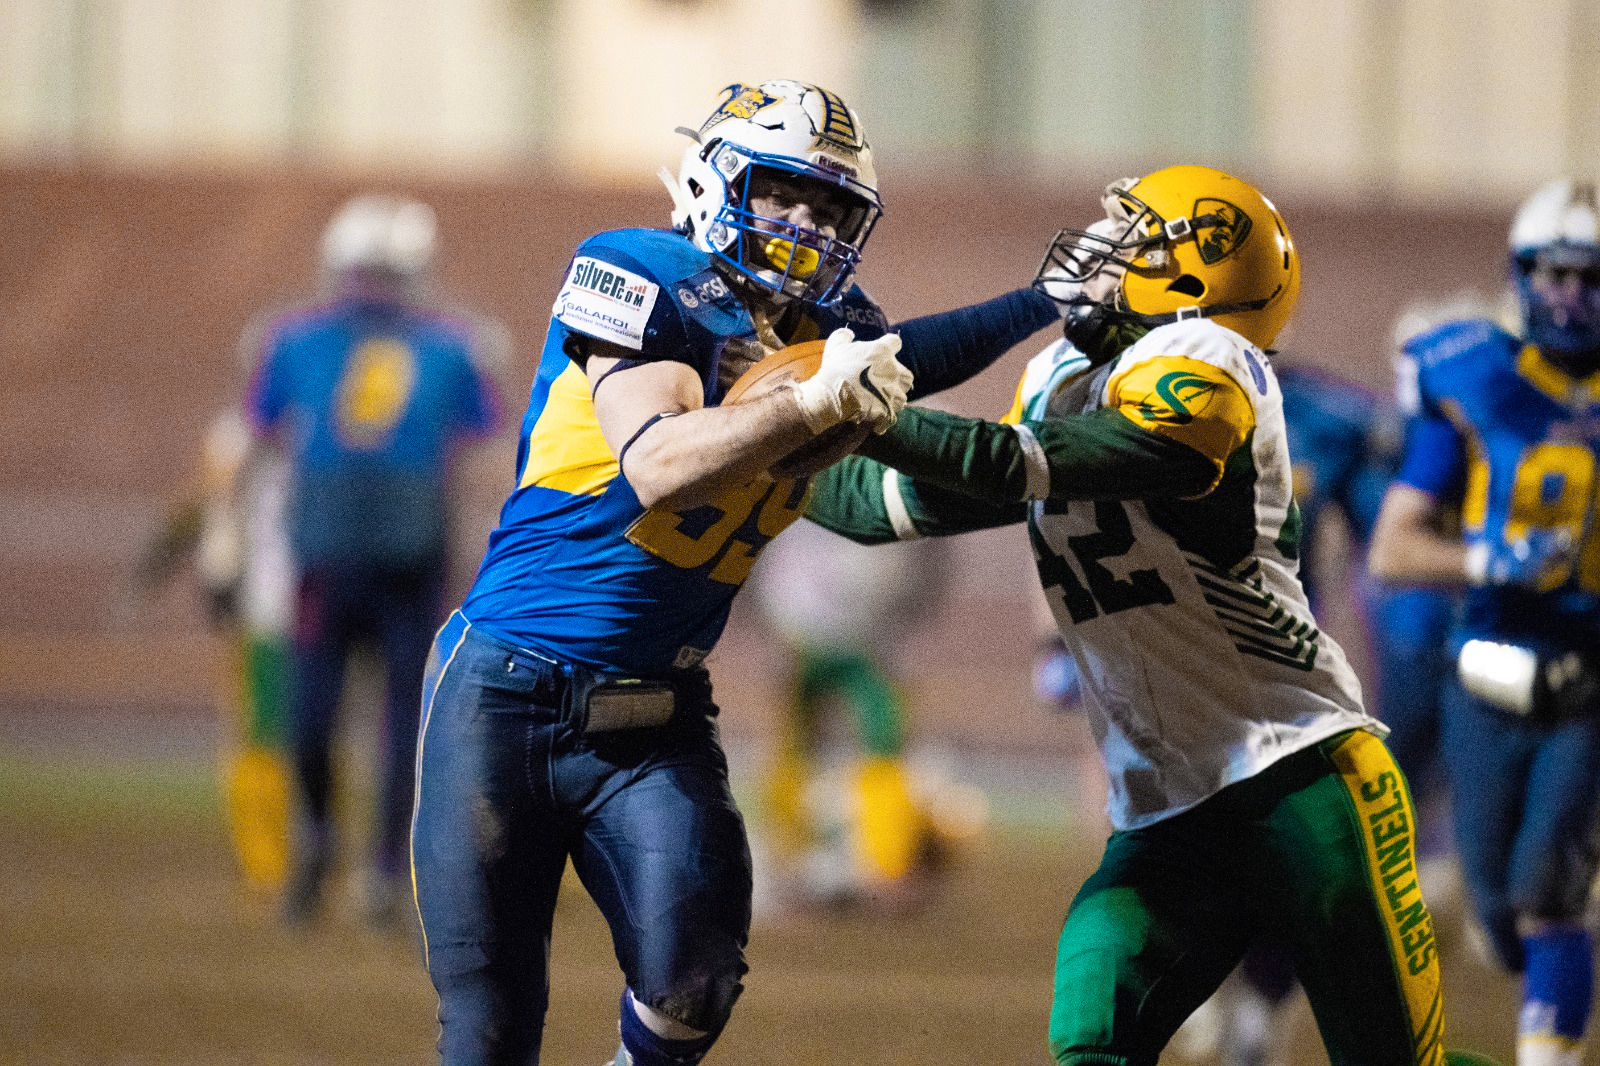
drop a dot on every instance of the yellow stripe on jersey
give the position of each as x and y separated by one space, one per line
1018 406
566 450
1543 375
1388 823
1475 499
1187 400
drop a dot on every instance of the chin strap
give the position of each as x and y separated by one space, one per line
1186 314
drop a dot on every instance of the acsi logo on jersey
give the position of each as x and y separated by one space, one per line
863 316
1222 239
739 101
704 288
1181 395
587 274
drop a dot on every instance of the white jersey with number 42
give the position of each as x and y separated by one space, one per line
1201 661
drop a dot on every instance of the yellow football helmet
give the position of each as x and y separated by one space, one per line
1191 242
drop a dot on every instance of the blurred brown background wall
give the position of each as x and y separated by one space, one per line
123 295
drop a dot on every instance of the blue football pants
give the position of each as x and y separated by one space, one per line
1525 796
509 787
336 607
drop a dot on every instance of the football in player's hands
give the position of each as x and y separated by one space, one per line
798 362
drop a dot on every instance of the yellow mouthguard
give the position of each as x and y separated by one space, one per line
799 260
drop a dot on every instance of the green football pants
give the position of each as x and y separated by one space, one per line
856 678
1315 852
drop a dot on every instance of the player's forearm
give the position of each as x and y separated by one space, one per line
870 503
688 459
1101 455
1407 545
945 349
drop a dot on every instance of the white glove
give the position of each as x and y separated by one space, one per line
1054 284
858 381
1541 560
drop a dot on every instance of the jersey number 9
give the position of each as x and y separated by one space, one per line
671 536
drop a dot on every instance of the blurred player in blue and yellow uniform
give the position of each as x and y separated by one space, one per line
369 396
1505 435
567 713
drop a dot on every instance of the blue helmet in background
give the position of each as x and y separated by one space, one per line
1555 267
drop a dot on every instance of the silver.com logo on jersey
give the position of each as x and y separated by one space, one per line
587 274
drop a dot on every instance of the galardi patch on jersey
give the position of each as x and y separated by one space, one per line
603 300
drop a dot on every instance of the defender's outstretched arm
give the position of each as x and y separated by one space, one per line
871 503
1099 455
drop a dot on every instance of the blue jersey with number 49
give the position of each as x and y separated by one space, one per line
578 569
1513 440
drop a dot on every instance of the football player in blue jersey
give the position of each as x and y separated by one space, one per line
1504 435
566 712
368 394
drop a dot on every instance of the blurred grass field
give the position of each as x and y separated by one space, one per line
125 937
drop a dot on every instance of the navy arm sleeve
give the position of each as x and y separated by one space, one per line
946 349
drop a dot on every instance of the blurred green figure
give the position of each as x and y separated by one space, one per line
230 526
833 602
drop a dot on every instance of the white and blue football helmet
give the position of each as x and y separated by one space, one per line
791 128
1555 266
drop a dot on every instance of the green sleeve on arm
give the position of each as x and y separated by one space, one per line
848 499
1100 455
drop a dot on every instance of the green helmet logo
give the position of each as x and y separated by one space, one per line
1221 240
1178 392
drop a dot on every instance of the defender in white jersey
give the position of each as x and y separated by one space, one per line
1233 673
1251 794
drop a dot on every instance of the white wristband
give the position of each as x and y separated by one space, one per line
818 409
894 504
1037 466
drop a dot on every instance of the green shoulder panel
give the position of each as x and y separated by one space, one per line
1220 526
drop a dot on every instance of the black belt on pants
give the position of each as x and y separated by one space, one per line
596 701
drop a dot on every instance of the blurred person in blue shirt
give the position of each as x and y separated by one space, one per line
368 394
1503 437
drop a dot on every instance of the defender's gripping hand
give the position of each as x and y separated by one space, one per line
1540 561
858 381
1055 278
